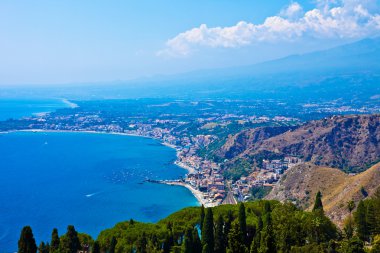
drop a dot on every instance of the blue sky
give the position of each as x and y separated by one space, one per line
54 42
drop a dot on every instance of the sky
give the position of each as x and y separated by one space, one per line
56 42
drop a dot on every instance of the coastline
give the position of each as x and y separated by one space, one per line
197 194
69 103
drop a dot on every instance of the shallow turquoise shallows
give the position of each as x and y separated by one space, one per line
89 180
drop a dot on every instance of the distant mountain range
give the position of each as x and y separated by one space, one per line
346 72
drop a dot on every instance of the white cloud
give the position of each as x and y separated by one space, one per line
344 19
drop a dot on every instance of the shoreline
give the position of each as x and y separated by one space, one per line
197 194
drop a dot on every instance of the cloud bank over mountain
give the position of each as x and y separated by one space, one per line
330 19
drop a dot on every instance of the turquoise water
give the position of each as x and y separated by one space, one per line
91 181
18 108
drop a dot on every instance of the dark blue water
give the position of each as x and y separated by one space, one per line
18 108
91 181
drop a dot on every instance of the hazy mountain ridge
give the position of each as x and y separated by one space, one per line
349 143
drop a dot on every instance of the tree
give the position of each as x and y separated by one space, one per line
351 206
27 244
219 236
141 243
348 227
54 243
197 245
318 206
202 216
206 248
208 231
96 247
70 241
187 244
361 221
354 245
235 243
43 248
243 223
371 219
112 245
267 244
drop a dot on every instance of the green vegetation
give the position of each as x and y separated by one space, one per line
252 227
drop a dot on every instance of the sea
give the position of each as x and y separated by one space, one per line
89 180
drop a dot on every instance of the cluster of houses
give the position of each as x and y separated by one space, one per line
269 174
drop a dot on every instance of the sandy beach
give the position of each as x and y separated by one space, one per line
198 194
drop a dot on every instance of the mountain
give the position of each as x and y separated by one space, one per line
348 72
302 182
349 143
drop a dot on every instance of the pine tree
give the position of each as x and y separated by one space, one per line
112 245
208 231
96 247
54 243
70 242
361 221
202 217
27 244
318 206
219 236
243 223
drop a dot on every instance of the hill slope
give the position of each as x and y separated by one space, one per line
301 183
350 143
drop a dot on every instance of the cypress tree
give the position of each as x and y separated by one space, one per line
205 248
267 244
371 219
70 242
54 243
197 245
243 223
267 208
208 231
227 227
219 236
235 243
318 206
187 244
43 248
96 247
202 216
361 221
27 244
112 245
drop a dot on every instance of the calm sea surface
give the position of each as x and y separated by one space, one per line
18 108
92 181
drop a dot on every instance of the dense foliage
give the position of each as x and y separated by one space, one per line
252 227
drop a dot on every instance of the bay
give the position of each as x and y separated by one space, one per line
91 181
